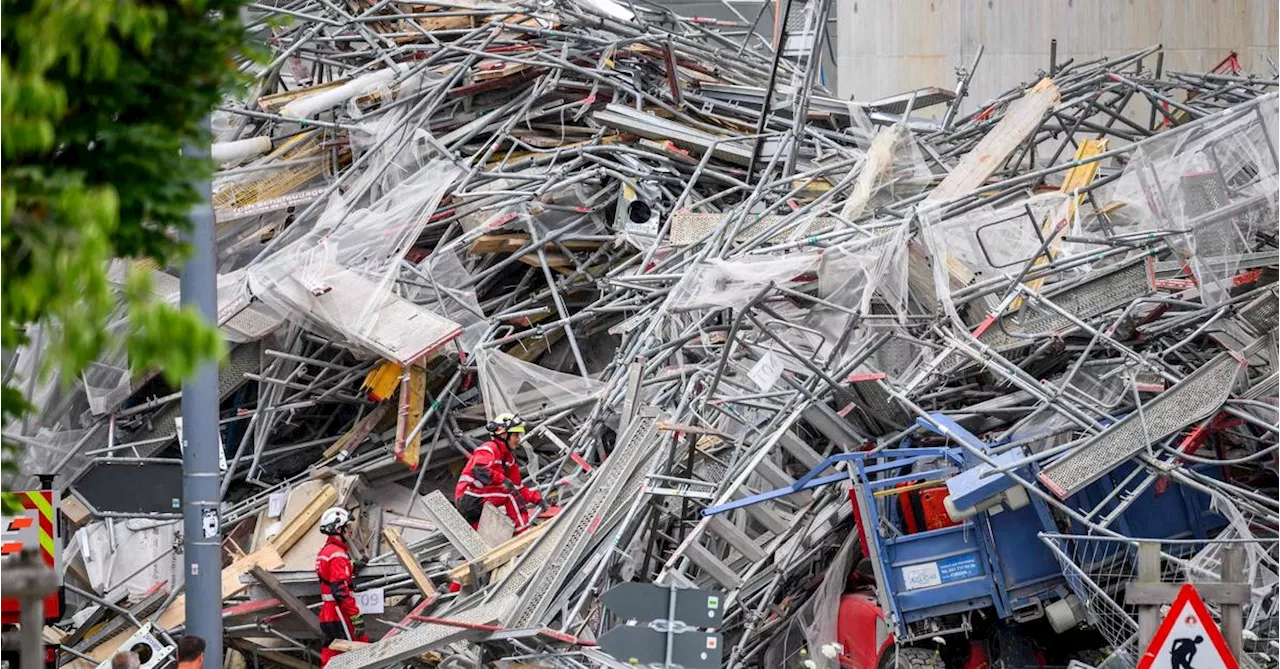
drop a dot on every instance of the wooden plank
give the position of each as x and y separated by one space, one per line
291 602
1021 118
351 439
496 557
409 562
1159 594
554 260
510 243
74 511
302 523
413 395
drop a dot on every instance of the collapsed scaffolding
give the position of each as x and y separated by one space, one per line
724 300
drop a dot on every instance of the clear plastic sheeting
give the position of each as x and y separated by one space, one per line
510 384
446 292
815 623
992 242
1261 568
106 386
717 284
338 276
867 275
862 278
1213 182
894 168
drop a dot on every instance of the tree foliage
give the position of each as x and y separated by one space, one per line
99 98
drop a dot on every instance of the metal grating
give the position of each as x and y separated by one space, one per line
1103 291
413 642
1262 314
252 323
454 527
1192 399
609 484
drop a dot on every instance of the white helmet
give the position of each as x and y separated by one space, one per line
333 520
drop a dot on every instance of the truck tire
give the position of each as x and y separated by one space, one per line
911 657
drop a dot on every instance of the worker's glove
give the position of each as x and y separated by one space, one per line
531 495
357 566
357 624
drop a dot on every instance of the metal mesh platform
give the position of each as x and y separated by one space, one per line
1192 399
1100 293
411 643
1263 314
454 527
556 558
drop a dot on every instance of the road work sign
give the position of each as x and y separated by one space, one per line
1188 638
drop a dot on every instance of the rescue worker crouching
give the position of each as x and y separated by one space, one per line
339 615
491 476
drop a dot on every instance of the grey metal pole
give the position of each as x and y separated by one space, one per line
27 579
200 489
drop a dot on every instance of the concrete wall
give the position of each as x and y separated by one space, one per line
748 9
890 46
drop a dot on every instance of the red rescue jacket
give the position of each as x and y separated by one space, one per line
488 470
335 571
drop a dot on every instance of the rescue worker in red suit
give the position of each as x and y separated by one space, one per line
339 616
491 476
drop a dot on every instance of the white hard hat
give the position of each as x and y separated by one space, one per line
333 520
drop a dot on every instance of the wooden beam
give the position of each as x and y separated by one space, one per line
510 243
554 260
499 555
413 396
303 522
409 562
287 599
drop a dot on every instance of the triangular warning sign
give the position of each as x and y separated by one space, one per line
1188 638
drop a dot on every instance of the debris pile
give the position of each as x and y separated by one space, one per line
890 377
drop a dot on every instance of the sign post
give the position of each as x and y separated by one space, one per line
1231 593
667 632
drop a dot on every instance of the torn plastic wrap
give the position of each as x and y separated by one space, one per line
816 620
867 279
510 384
1212 182
44 451
893 169
447 293
722 284
338 276
1261 567
993 242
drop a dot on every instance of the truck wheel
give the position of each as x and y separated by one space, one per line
911 657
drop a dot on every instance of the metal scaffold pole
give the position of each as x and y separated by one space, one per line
200 485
